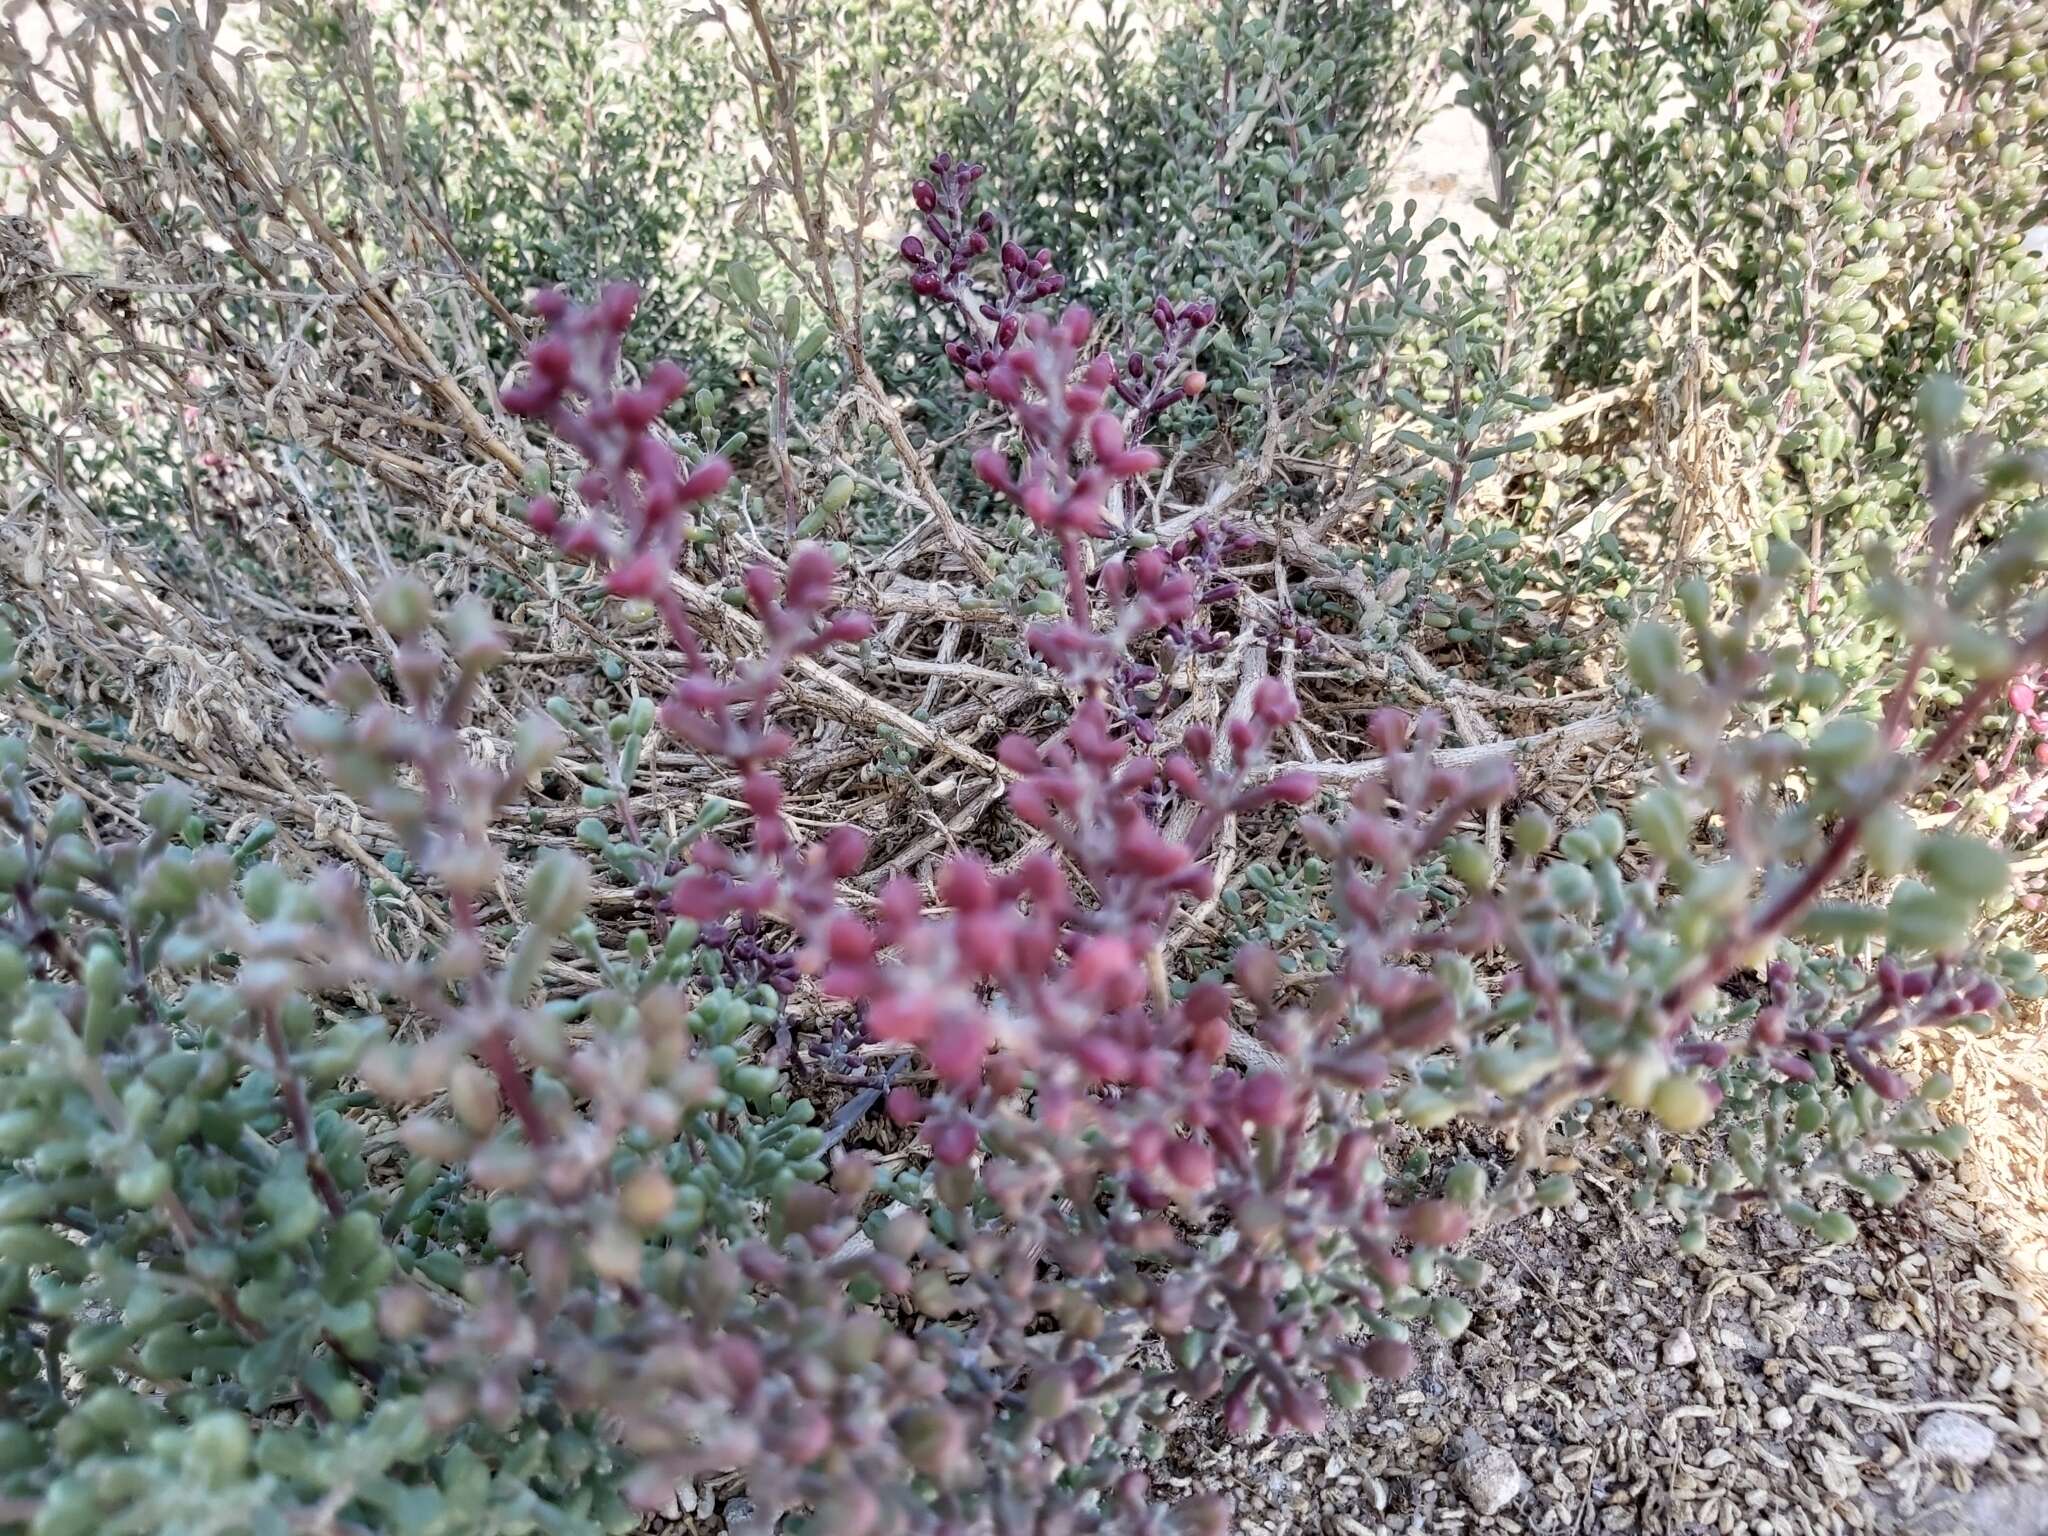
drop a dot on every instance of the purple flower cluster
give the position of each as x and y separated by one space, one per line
944 268
1150 384
994 300
1117 1157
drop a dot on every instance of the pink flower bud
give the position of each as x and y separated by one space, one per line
988 944
1099 962
706 480
849 941
903 1016
1768 1028
1273 703
637 409
1797 1067
953 1143
532 397
552 360
1106 437
811 574
957 1048
1258 971
993 469
1104 1059
762 793
642 576
582 540
1303 1411
1264 1099
1389 730
1190 1163
1296 787
1029 805
965 884
904 1105
668 380
616 307
758 582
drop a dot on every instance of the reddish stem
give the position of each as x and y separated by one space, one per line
496 1054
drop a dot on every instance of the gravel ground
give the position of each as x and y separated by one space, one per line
1769 1387
1610 1384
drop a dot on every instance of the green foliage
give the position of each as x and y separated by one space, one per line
497 1220
216 1253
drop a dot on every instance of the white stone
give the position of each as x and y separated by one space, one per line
1680 1349
1779 1417
1956 1439
1489 1479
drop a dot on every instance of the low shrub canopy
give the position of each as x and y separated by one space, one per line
912 918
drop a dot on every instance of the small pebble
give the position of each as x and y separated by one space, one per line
1779 1417
1680 1349
1489 1479
1956 1439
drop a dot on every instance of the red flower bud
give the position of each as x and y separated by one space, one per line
706 480
904 1105
642 576
1264 1099
1273 703
617 305
1191 1163
552 359
957 1048
953 1142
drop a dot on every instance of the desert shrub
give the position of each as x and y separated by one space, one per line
904 927
610 1236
